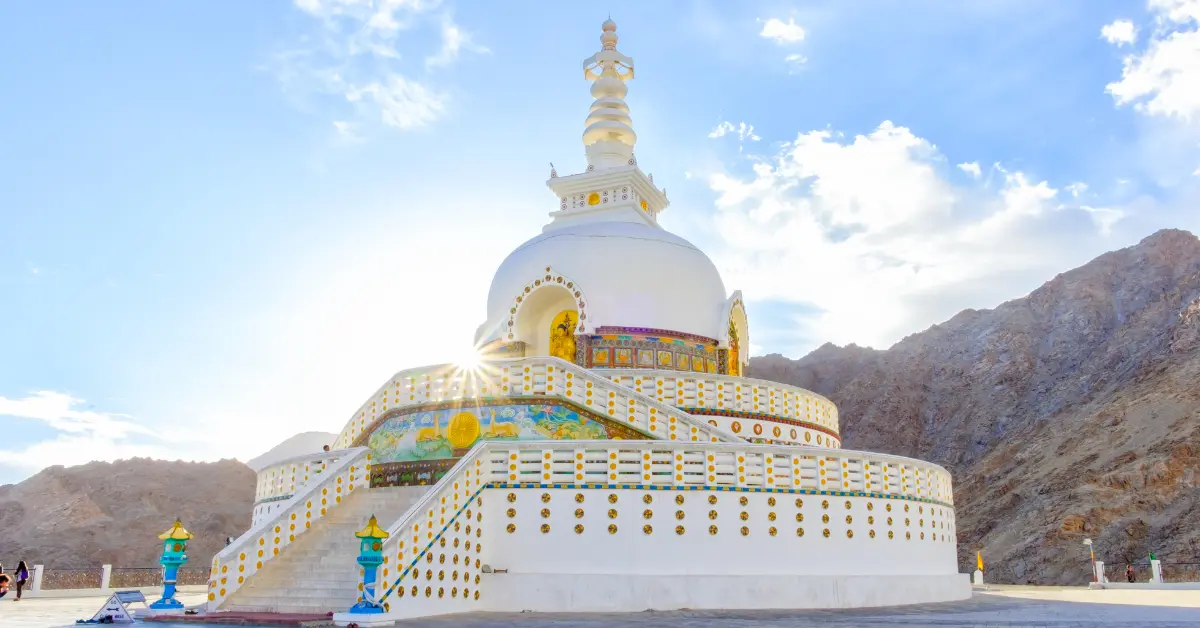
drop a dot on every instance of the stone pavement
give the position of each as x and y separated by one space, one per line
1002 607
49 612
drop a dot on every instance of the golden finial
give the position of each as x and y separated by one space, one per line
372 530
176 533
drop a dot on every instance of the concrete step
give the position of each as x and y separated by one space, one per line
318 573
339 581
299 596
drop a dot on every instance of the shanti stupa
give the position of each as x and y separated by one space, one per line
606 453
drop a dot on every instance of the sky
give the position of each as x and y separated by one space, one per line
226 222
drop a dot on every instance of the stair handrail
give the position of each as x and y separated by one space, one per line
395 530
833 424
349 471
599 380
489 370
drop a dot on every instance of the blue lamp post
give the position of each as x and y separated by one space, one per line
174 548
370 557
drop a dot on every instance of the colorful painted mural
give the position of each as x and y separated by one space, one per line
418 448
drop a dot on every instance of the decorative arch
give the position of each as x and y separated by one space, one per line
550 279
734 340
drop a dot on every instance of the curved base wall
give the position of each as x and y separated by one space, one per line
622 593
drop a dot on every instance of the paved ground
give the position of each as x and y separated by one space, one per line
1004 607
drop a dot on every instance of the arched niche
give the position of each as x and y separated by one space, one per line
547 323
547 316
734 341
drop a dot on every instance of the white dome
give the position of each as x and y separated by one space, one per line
629 275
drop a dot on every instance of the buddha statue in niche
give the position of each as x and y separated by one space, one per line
562 335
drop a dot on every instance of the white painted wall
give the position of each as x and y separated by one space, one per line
624 594
631 551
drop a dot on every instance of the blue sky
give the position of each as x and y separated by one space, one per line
222 223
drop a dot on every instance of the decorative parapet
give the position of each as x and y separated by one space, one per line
700 392
437 551
267 538
527 377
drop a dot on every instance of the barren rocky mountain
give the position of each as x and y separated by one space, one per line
112 513
1072 412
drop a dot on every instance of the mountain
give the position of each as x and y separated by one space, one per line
298 445
1072 412
112 513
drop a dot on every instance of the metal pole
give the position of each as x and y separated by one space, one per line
1094 577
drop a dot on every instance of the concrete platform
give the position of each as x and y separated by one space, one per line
1051 607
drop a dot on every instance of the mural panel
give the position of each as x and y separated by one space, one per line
419 448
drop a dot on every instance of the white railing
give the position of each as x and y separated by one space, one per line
723 392
262 542
448 518
542 377
282 478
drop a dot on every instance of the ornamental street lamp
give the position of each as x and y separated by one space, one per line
174 545
370 557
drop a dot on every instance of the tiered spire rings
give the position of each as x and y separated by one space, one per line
609 138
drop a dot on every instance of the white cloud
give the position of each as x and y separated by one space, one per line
402 103
1120 32
1164 77
744 131
356 55
82 434
1104 217
781 32
796 60
57 410
454 40
1076 188
972 168
871 232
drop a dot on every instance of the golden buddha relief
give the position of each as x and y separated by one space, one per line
734 366
562 335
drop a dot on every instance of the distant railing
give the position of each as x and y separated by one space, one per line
58 579
1181 572
138 577
72 578
1172 571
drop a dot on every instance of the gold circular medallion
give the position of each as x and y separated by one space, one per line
464 430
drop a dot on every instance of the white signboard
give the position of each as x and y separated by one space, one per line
115 609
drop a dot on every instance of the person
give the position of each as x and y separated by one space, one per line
4 580
21 575
1129 573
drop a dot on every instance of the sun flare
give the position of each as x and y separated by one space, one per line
469 359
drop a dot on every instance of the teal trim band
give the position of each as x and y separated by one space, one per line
273 499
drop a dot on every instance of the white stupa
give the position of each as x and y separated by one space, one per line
606 454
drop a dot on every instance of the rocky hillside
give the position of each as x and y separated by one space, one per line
1072 412
112 513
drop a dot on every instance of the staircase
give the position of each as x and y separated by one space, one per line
318 573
